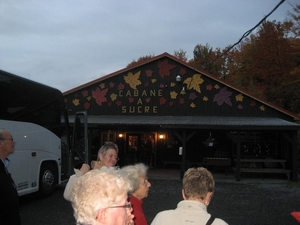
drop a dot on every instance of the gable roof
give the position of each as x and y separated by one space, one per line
213 77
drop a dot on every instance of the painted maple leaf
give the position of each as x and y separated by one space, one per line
113 97
217 86
162 101
149 73
131 99
182 71
205 98
194 82
85 93
102 85
239 98
133 79
100 95
173 84
111 84
193 96
209 87
164 68
252 103
181 101
240 106
173 94
223 97
76 102
121 86
87 105
192 105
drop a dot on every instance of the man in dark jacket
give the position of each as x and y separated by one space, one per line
9 199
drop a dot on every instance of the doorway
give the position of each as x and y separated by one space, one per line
139 148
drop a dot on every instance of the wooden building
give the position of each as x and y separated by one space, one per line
164 112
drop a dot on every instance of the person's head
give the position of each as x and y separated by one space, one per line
108 154
137 176
7 143
198 184
100 197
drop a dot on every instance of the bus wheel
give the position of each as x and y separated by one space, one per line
47 179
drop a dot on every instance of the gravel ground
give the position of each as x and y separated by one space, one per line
250 201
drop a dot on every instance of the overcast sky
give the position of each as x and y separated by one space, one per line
66 43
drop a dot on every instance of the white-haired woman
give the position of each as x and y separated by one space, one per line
107 157
137 176
96 201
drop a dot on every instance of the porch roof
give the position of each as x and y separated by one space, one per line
195 122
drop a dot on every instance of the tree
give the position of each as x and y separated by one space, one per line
294 18
141 60
180 54
266 64
203 57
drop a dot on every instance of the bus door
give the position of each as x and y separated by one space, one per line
80 144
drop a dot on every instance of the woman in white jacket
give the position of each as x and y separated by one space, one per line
197 191
107 157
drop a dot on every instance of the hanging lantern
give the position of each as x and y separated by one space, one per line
210 141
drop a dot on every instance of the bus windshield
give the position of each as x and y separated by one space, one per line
28 101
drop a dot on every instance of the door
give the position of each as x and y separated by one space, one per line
140 147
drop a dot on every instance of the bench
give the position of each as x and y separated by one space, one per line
264 170
214 161
268 165
258 162
218 162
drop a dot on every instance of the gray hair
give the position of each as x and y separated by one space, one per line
133 173
107 145
97 189
2 130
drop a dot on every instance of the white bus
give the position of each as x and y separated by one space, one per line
33 113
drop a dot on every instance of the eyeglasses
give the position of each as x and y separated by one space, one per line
9 139
127 205
145 181
112 156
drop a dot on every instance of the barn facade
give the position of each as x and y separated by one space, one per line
165 113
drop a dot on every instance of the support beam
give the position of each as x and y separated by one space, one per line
238 139
184 139
293 141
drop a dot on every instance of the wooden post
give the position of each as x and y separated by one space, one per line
183 140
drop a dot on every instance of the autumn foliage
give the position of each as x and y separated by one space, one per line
266 64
